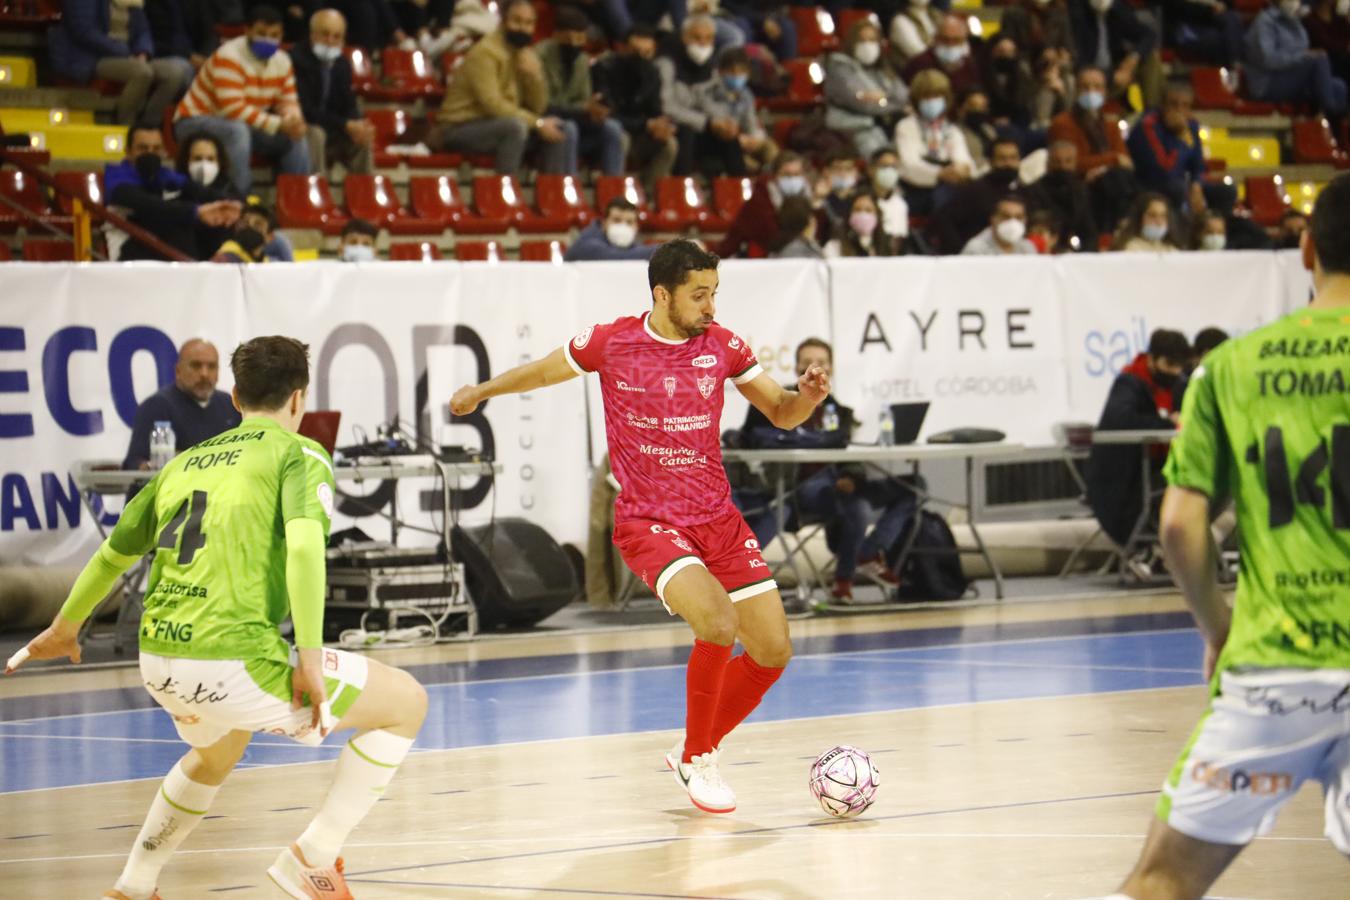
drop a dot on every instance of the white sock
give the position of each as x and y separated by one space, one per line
179 805
364 770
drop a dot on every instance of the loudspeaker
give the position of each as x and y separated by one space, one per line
516 573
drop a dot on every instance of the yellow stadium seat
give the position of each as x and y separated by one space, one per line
17 72
1240 151
1303 194
31 119
94 143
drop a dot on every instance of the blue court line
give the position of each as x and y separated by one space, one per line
39 754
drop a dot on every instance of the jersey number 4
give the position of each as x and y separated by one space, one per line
193 538
1282 494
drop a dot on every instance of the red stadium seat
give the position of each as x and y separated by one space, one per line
542 251
479 251
848 17
607 187
304 201
437 198
5 254
363 70
85 186
373 198
806 87
396 126
815 30
782 130
1314 143
680 204
48 250
24 191
500 196
421 251
408 75
561 197
730 194
1266 199
1211 90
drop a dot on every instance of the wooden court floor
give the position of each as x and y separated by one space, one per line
1045 797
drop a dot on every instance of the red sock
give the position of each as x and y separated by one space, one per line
703 685
745 685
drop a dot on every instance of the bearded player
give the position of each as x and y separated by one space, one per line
661 377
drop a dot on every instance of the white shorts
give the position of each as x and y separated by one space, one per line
1265 733
209 698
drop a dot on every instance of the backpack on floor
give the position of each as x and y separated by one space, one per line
934 572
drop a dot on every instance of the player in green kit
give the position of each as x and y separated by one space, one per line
1267 421
238 526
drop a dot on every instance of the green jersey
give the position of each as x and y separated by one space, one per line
1267 419
216 519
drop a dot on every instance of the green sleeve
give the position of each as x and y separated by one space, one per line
138 526
1199 455
96 581
305 575
307 486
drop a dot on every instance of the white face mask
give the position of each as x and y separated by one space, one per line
326 53
1010 231
887 177
1343 8
699 53
1213 242
867 52
1291 8
357 253
204 171
1101 6
621 234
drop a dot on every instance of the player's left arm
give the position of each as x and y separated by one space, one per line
785 408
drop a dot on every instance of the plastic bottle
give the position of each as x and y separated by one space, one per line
163 446
886 429
829 419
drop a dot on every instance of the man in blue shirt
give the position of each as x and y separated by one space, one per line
1280 66
1165 147
191 405
613 238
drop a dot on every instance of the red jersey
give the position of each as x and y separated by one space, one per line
663 414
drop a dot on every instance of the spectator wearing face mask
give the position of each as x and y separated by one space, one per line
754 230
338 133
613 238
797 231
1110 35
1054 88
202 159
496 101
597 136
1102 157
1045 231
174 208
861 234
1150 228
864 97
356 243
733 140
913 30
685 71
245 95
1006 233
1011 87
952 226
972 116
1328 27
276 246
950 55
1282 67
841 173
629 83
244 246
1062 192
1167 153
1210 232
933 154
884 174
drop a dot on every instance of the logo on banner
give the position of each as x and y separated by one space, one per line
706 383
584 338
705 362
669 382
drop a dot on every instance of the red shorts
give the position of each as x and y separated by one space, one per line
726 547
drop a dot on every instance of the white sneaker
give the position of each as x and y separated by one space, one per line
295 877
702 779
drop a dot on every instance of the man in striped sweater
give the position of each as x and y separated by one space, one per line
245 96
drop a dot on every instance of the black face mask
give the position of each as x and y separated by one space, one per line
568 54
148 166
1165 380
251 240
1289 242
519 39
1005 65
1002 177
977 120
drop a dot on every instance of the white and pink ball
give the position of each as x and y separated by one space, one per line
844 781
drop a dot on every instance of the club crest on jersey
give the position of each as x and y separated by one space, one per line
706 384
669 382
581 340
734 343
705 362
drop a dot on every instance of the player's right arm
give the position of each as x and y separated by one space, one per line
550 370
133 537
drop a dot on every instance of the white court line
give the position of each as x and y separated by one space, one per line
1022 665
587 840
136 740
446 685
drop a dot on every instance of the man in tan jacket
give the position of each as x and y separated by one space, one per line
495 102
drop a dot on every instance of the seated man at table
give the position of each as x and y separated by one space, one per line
1142 398
191 405
839 496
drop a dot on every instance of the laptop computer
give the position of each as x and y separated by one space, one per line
908 419
321 426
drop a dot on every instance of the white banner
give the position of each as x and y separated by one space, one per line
1013 344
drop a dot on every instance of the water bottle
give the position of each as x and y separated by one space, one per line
162 444
886 429
829 419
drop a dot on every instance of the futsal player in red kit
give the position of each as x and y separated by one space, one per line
661 376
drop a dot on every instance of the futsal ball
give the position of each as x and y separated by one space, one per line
844 781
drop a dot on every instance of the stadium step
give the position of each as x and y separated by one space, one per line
30 118
60 98
89 143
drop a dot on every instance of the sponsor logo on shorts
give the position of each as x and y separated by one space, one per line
630 388
675 537
751 544
758 564
1240 781
670 382
197 695
705 362
330 660
706 383
584 338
